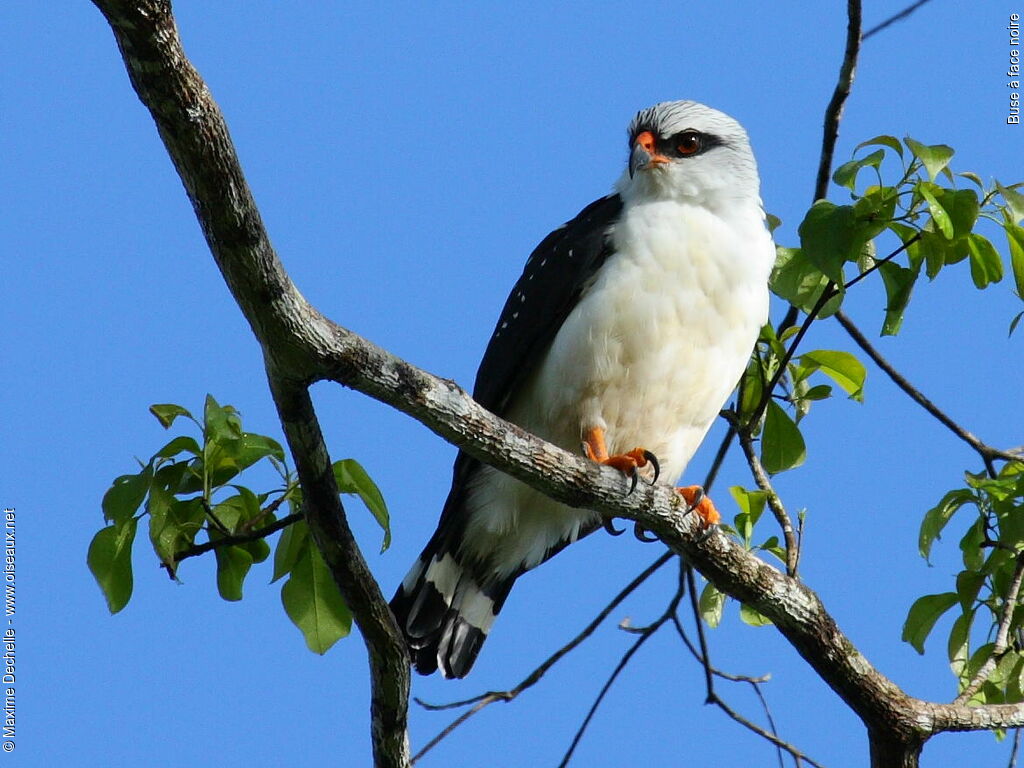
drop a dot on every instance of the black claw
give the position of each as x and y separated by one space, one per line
641 534
607 525
654 462
632 480
698 497
707 533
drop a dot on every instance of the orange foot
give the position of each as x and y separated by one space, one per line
626 463
701 504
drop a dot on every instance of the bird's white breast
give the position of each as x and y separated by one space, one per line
650 354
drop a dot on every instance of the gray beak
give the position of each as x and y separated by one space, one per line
638 158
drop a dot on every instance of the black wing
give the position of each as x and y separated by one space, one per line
555 275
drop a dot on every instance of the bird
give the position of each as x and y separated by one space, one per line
625 335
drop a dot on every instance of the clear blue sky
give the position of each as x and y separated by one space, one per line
406 160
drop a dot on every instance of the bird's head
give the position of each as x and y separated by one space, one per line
685 150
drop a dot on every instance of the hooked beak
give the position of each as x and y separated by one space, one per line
644 154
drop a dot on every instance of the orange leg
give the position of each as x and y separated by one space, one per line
701 504
627 463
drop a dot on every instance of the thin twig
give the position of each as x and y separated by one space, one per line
894 18
227 541
987 452
774 502
643 638
755 682
1002 635
681 631
490 697
796 753
1015 749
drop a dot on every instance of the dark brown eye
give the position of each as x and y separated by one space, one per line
688 143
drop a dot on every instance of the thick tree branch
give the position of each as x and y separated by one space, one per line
301 346
196 137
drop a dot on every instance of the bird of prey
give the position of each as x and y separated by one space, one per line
627 331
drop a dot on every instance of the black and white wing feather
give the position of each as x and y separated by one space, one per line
440 602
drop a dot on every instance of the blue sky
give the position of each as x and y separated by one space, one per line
406 160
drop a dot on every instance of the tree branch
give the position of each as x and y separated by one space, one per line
774 502
987 452
1002 635
227 541
893 19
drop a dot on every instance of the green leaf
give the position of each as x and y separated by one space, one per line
842 367
885 141
958 646
935 156
313 603
846 174
970 546
939 214
753 617
166 413
935 519
751 504
173 523
289 548
352 478
818 392
711 604
968 584
220 423
899 284
1014 202
986 266
782 445
180 444
1015 239
800 282
125 495
963 207
258 548
830 235
922 617
110 560
233 563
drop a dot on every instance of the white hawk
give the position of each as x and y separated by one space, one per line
628 330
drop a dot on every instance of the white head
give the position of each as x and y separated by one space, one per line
687 151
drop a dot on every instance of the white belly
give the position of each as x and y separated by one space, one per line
650 354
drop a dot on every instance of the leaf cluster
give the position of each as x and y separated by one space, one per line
188 489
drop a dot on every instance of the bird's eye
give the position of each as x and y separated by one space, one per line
688 143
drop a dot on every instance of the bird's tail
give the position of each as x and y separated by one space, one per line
445 609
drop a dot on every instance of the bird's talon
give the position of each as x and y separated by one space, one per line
632 481
607 525
654 463
641 534
706 534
